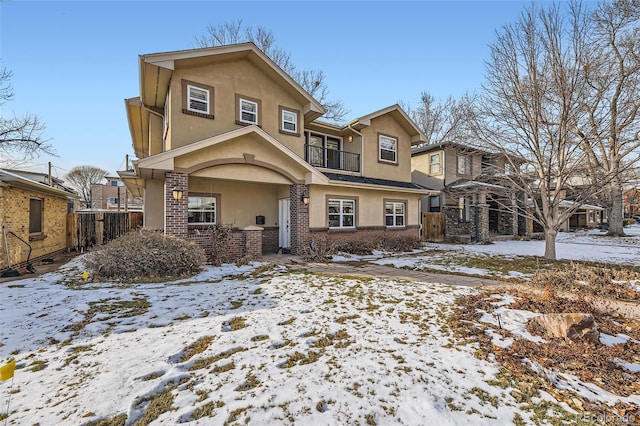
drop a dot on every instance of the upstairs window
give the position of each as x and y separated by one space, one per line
342 213
288 121
394 213
464 165
35 215
248 111
388 148
202 210
434 164
197 99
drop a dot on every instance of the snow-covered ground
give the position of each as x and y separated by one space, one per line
591 245
274 347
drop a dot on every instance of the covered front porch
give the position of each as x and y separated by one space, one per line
240 194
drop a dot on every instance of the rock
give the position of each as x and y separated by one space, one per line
575 326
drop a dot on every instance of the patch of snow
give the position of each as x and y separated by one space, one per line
609 340
634 368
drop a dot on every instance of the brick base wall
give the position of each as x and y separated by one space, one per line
270 240
372 233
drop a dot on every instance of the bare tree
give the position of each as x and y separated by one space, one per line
82 177
531 103
441 120
20 134
610 131
313 81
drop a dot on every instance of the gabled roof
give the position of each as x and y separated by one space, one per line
156 70
8 178
398 113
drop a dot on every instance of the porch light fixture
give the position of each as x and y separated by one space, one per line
305 199
177 193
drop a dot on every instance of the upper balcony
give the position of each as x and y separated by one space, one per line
328 158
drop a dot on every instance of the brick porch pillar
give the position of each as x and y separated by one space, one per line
252 241
175 211
299 224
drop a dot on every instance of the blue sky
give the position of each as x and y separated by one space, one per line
74 62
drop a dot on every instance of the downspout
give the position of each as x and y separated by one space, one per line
361 147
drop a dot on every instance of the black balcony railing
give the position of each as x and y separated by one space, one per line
319 156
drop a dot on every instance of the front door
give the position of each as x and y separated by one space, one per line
284 217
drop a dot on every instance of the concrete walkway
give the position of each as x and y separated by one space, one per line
366 269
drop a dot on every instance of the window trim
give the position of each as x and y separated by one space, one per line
394 214
216 210
282 110
257 102
341 199
186 107
41 217
439 172
395 151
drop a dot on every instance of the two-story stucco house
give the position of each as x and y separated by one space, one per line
477 199
224 136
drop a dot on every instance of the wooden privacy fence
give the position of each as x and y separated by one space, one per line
433 227
86 229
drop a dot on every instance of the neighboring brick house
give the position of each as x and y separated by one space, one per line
477 200
224 136
36 213
114 196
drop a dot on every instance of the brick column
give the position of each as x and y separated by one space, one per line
175 211
299 224
252 241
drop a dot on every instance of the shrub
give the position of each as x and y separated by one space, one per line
145 254
629 221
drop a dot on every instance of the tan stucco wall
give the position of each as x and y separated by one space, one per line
386 125
420 171
369 205
154 204
240 203
259 151
14 209
228 79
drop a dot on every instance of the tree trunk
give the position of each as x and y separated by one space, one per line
616 219
550 244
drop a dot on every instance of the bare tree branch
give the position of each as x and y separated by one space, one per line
313 81
81 178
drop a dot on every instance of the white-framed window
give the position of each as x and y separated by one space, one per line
201 210
35 215
434 164
342 213
464 207
388 148
289 121
464 165
434 203
198 99
394 213
248 111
